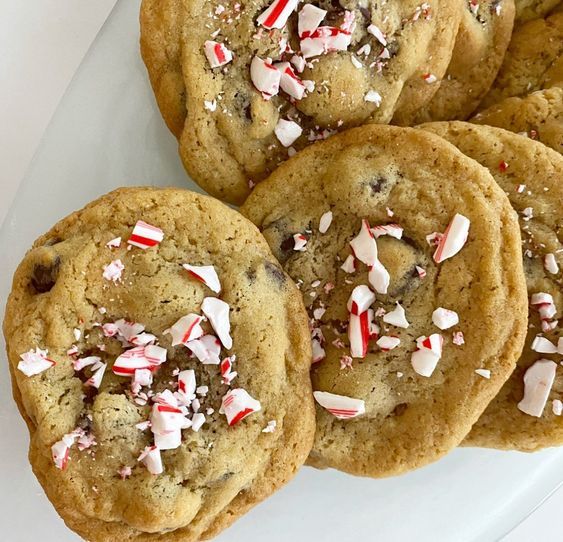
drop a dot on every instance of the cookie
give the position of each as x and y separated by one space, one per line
526 414
243 89
397 342
484 34
533 61
161 358
538 116
528 10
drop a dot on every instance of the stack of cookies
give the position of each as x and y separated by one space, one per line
390 288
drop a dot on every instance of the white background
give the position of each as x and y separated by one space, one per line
41 44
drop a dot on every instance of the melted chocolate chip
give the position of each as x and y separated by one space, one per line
366 13
275 273
377 185
287 244
400 409
44 276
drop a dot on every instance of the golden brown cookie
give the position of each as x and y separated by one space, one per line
528 10
408 257
244 88
533 61
161 358
538 116
526 416
484 34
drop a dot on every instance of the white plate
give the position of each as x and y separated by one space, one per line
107 133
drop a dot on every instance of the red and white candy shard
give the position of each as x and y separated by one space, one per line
217 53
150 457
373 328
217 312
544 304
372 96
457 338
186 329
454 238
287 132
141 357
265 77
379 277
142 339
97 376
348 266
237 404
387 343
538 381
324 40
271 427
396 317
289 82
60 451
444 318
205 274
358 334
277 14
80 363
360 300
557 407
35 362
550 263
114 243
300 242
206 349
226 368
543 346
198 420
127 330
141 377
340 406
113 270
364 245
421 271
485 373
393 230
326 218
187 383
425 359
145 236
310 17
378 34
318 351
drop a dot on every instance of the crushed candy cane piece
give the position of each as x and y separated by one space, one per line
325 39
265 77
454 238
271 427
421 271
358 334
300 242
237 404
80 363
396 317
277 14
150 457
444 318
287 132
340 406
348 266
372 96
35 362
140 357
557 407
310 17
360 300
217 312
429 78
217 53
377 33
326 220
364 245
97 376
205 274
387 343
226 368
485 373
113 270
187 382
543 346
550 263
124 472
186 329
538 381
114 243
379 277
298 62
289 82
60 452
427 355
458 338
206 349
198 419
145 236
318 351
393 230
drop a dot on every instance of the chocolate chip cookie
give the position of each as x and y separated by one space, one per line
538 116
160 357
244 87
526 414
408 257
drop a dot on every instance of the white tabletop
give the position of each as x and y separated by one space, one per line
42 44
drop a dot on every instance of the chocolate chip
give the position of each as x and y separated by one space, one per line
287 244
377 185
44 276
366 14
400 409
275 273
251 275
